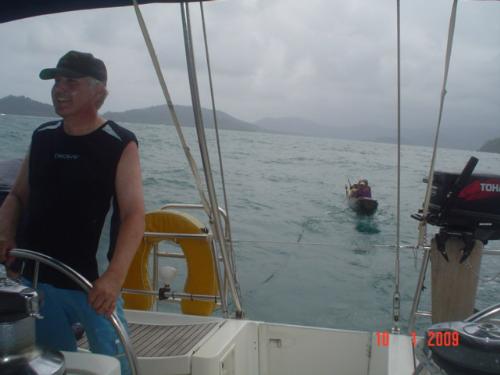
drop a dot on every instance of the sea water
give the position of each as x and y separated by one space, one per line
302 255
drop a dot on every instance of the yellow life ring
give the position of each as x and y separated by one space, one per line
201 276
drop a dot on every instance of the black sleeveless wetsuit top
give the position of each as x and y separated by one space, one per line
72 185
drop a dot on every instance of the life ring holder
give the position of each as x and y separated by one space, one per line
201 276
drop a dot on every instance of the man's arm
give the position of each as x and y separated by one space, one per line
11 210
130 198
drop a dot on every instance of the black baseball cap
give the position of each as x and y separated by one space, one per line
76 64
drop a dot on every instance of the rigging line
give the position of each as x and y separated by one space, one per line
301 243
213 206
216 127
396 305
285 242
170 105
451 31
214 112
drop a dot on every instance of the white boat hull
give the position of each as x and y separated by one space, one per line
247 347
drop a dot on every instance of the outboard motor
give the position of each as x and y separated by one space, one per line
460 348
464 205
476 207
18 352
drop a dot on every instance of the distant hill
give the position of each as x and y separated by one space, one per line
301 126
491 146
160 115
460 137
22 105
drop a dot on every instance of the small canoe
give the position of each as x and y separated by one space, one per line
363 206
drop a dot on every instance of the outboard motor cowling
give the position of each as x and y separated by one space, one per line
18 352
476 207
465 205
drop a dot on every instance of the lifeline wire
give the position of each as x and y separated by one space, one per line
430 178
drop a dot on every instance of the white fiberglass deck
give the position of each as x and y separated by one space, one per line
188 345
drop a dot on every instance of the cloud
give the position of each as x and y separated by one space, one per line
333 62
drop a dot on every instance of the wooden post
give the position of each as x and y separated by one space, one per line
454 285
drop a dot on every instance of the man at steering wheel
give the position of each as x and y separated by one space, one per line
75 169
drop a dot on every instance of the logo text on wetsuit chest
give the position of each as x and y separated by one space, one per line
66 156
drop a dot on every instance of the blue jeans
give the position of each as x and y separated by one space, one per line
61 308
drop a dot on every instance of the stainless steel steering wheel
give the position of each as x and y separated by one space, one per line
86 286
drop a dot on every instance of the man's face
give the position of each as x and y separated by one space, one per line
72 96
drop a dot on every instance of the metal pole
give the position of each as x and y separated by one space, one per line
219 280
173 236
164 295
430 178
484 314
396 299
155 270
418 292
216 221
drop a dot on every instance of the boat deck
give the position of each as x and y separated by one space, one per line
150 340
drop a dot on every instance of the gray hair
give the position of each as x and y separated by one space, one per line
94 83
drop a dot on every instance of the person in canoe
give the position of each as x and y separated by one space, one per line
364 190
360 198
360 190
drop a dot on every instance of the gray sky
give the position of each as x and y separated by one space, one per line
331 61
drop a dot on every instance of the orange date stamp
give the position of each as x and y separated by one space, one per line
434 338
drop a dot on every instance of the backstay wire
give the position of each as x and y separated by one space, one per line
215 222
216 127
212 212
396 299
430 178
170 105
422 239
422 225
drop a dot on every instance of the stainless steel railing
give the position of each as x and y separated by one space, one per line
224 278
86 286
